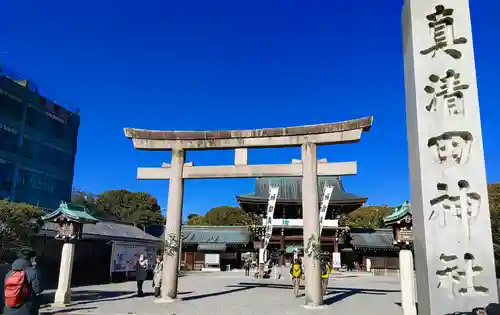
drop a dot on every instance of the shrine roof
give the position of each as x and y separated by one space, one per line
398 213
372 239
229 235
71 211
290 190
107 229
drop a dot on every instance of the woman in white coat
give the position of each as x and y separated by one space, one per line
157 276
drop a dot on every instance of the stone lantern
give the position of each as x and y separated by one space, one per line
401 222
69 220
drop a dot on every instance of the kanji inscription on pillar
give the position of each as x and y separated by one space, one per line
470 272
448 277
458 281
441 24
447 93
452 148
449 196
465 206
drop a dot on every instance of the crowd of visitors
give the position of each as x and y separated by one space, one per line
23 288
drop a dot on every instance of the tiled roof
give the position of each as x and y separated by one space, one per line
398 213
215 235
74 212
377 239
290 189
107 230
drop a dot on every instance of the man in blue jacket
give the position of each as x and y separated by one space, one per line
31 304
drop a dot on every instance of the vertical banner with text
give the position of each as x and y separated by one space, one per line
273 194
324 206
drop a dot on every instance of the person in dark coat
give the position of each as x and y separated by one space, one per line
31 306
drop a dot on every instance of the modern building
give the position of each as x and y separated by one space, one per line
287 222
38 145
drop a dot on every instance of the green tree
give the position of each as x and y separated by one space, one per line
18 223
138 207
368 217
89 201
494 198
196 220
224 216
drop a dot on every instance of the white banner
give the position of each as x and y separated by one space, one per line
336 263
125 256
324 206
273 194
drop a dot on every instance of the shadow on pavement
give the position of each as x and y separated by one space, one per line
90 296
95 296
201 296
66 310
338 293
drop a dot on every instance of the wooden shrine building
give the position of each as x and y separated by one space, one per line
214 246
379 245
287 223
376 245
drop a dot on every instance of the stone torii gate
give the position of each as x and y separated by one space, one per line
308 137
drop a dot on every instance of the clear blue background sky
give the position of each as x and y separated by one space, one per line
232 65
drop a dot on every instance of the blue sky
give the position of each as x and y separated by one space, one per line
197 65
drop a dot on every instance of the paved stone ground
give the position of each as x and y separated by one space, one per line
232 293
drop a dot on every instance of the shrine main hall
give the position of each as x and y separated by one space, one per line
287 234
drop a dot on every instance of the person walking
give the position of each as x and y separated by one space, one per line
157 276
325 274
246 265
22 290
141 271
296 273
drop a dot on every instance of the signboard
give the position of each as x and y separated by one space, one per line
298 223
336 263
324 206
273 194
212 259
125 256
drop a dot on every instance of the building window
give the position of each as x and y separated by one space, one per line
6 174
33 118
10 138
48 155
32 181
29 148
50 125
10 107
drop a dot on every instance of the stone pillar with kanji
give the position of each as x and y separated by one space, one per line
455 266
